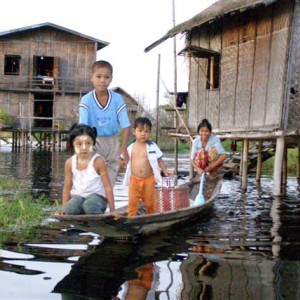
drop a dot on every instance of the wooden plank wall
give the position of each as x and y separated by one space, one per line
76 53
254 49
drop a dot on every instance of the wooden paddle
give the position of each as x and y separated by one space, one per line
200 199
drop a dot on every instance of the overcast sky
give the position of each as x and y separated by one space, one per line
128 25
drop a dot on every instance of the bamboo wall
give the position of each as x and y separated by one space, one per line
254 47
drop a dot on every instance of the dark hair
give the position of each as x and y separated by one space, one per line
82 129
204 123
141 121
102 64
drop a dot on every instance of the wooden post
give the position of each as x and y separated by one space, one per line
278 165
175 92
241 162
259 161
284 168
298 165
157 99
245 165
211 72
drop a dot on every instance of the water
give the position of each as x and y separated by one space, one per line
247 248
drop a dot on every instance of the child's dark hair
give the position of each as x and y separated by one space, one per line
204 123
141 121
82 129
102 64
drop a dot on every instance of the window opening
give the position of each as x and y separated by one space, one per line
12 64
212 73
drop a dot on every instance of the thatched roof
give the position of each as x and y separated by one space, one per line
100 43
216 11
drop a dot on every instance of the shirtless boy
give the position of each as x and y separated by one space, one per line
143 169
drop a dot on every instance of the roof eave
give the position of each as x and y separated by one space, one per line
216 10
100 43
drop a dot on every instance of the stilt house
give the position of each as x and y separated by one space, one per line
244 73
44 71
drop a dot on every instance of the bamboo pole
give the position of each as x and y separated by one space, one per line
212 75
298 165
259 161
245 165
157 98
175 92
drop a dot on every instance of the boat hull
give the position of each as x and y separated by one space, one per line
142 225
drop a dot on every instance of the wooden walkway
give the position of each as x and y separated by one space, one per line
43 138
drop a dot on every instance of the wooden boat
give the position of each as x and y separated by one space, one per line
142 225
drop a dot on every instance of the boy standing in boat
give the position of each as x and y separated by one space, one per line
106 111
143 169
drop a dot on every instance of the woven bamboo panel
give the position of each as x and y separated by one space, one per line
193 94
228 86
260 81
213 107
275 91
244 82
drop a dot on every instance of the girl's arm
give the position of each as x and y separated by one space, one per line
102 171
68 182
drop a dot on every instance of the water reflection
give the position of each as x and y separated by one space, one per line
248 248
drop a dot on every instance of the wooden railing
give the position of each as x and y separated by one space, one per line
26 83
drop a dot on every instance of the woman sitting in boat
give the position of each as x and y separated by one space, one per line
208 153
87 188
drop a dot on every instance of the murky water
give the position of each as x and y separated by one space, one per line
247 248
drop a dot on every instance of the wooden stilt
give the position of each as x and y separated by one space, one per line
241 162
278 165
245 165
298 165
259 161
284 171
284 166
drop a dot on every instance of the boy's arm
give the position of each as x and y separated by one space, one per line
123 148
164 168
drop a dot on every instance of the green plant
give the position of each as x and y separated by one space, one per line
5 118
21 212
292 158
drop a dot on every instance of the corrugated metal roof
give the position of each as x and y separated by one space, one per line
100 44
215 11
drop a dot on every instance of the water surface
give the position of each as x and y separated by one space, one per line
248 247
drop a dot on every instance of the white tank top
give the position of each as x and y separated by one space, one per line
88 181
